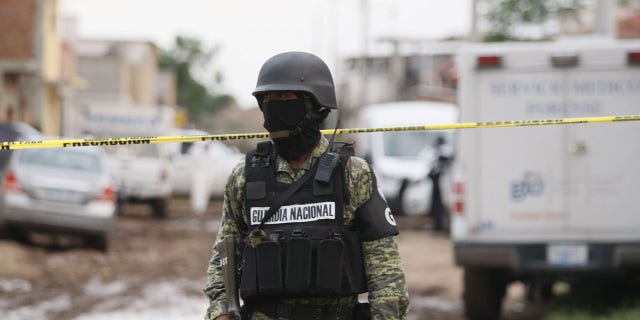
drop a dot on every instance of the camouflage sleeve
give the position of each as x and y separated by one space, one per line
231 215
388 293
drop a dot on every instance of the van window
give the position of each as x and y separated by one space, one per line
404 144
411 144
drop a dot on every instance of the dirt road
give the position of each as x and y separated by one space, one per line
155 269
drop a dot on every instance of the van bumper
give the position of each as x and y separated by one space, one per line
533 256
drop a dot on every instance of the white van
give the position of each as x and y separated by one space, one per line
402 160
538 204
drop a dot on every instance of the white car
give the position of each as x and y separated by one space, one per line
402 160
417 194
205 164
143 172
59 190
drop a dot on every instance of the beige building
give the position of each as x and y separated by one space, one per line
117 72
32 79
47 75
120 74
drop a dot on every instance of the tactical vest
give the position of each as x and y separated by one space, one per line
307 250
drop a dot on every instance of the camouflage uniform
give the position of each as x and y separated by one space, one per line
385 278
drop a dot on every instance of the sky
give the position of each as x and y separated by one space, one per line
248 32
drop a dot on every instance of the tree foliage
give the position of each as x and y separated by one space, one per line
505 16
186 56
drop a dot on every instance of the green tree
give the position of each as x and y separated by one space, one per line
187 55
504 16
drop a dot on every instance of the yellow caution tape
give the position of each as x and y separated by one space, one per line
264 135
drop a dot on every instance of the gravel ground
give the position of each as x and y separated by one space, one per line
155 269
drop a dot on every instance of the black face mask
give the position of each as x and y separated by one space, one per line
283 114
291 115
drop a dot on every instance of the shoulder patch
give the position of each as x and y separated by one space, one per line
374 218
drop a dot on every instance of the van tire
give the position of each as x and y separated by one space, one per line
446 220
483 292
159 208
539 291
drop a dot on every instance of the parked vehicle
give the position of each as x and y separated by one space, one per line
66 191
539 204
143 171
143 174
15 131
213 159
402 160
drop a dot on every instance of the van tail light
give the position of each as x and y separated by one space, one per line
458 196
108 194
459 226
11 183
490 61
633 57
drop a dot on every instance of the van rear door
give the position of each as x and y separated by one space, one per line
565 182
604 179
519 170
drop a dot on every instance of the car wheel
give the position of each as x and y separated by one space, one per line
539 291
159 208
17 233
98 242
483 292
119 206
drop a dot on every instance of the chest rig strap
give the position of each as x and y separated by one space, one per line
256 162
264 158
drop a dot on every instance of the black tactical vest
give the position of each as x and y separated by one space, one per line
308 251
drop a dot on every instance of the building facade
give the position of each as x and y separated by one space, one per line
32 79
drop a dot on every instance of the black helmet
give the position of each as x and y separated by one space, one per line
297 71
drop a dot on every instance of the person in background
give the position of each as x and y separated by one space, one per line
312 228
200 191
441 161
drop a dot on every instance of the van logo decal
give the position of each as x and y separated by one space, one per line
531 184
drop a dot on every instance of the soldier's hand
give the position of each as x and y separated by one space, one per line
223 317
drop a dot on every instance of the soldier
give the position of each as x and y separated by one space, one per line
311 227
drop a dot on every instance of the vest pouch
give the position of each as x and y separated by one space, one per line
329 265
248 278
353 271
298 265
269 267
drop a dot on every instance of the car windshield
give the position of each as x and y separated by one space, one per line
59 158
411 144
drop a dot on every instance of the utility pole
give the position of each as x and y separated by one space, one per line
474 35
605 18
397 69
364 7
